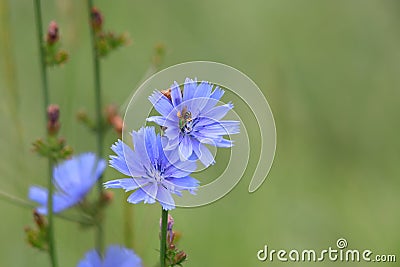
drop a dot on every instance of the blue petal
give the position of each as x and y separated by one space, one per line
200 98
92 259
180 169
176 94
185 183
128 184
223 143
219 112
213 100
189 88
77 175
161 103
139 144
38 194
220 128
117 256
126 161
150 140
217 94
203 90
160 120
172 132
203 154
165 198
151 193
60 201
137 196
185 148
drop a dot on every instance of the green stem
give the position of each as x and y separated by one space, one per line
39 25
15 200
99 120
29 205
163 240
43 69
50 216
128 225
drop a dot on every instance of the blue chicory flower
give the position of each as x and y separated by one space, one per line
192 119
154 172
73 179
115 256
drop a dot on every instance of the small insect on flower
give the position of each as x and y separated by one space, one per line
115 256
192 119
73 179
154 173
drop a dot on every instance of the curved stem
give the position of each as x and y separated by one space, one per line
99 122
163 238
39 25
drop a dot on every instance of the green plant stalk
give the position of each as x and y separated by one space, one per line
43 71
99 120
128 225
163 238
29 205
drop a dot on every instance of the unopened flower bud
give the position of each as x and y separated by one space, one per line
170 222
52 33
53 114
96 19
111 112
118 124
39 219
114 119
106 197
180 257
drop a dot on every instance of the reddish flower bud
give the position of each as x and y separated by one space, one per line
96 19
53 114
114 119
107 197
39 219
180 257
52 33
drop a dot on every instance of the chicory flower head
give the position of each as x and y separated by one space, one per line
73 179
155 174
115 256
192 119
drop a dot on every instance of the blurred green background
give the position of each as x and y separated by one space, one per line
329 69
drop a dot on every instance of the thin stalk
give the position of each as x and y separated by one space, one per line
16 200
53 257
39 25
128 225
99 120
19 202
163 239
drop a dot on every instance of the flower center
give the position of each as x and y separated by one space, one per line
155 174
185 120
